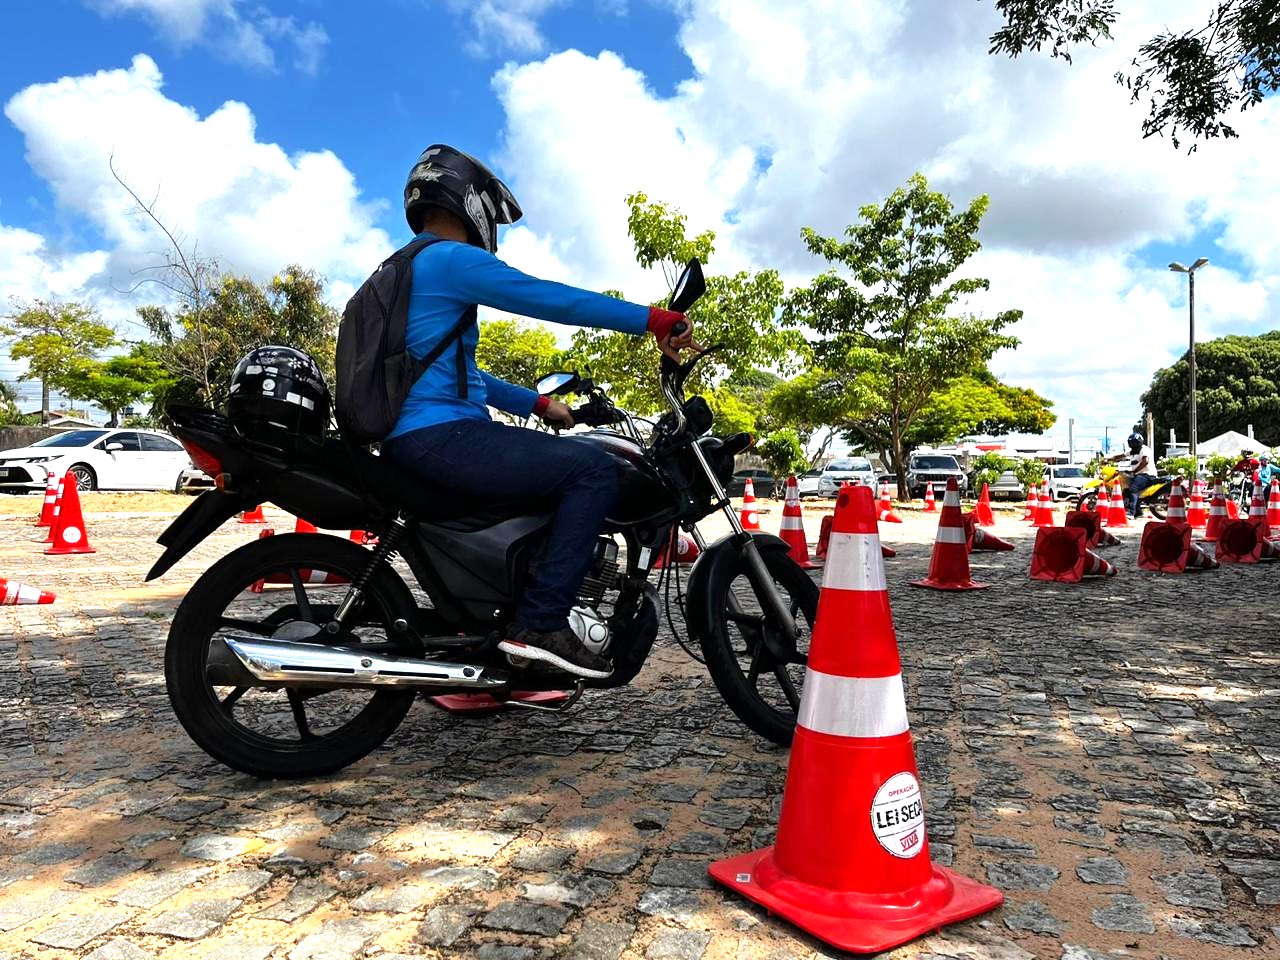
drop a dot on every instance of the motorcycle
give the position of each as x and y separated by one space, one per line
298 654
1154 497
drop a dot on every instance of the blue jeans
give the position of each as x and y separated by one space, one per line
1138 483
487 459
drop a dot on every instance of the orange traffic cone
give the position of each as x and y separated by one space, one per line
253 516
1197 516
1062 554
686 551
851 861
69 534
1033 504
1273 505
1217 513
1169 549
978 539
1240 541
1117 515
1233 511
929 502
361 537
750 517
982 510
280 578
1089 522
949 565
304 526
13 594
886 506
792 530
824 539
1044 511
57 506
1258 513
50 500
1177 514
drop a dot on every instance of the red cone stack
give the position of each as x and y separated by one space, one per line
792 530
1062 555
253 516
1258 513
1170 549
13 594
1239 541
1177 515
1273 505
886 506
50 500
949 565
1197 516
1044 510
929 503
57 507
851 862
982 510
750 516
69 533
1217 513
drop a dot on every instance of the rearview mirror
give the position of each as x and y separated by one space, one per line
689 288
562 381
112 447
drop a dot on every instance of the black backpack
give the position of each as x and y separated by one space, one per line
375 370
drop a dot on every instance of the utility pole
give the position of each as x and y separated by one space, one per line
1071 440
1190 271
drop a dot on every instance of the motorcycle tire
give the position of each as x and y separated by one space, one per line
1158 508
742 696
211 724
1087 500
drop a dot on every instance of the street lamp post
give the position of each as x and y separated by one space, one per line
1190 271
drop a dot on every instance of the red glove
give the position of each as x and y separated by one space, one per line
661 321
540 405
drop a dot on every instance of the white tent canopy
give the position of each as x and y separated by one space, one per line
1229 444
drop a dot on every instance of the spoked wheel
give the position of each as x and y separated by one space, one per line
1087 500
276 730
759 675
85 479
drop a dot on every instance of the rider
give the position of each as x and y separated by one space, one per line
445 435
1266 471
1142 467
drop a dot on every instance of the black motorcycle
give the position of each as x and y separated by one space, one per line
298 654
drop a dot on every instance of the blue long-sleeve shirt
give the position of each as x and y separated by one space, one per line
448 277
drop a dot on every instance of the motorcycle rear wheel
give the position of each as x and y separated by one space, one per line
330 729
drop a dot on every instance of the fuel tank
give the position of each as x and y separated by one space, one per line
643 493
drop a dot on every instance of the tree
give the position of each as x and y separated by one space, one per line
891 339
9 412
1191 78
738 311
120 381
1237 383
988 467
979 403
53 338
782 451
517 351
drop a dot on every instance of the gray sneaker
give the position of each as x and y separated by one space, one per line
559 648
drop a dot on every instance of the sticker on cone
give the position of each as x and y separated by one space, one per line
851 862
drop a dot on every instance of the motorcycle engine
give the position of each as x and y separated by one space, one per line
584 619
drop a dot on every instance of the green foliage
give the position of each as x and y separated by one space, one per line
1029 472
1091 468
988 467
1219 465
121 381
891 339
517 351
737 311
9 413
1237 382
1184 466
55 339
783 452
200 344
979 403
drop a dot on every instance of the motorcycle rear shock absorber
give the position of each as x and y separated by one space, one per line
387 543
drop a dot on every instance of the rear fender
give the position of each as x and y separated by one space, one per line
698 612
206 514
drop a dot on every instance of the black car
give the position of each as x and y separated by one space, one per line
761 481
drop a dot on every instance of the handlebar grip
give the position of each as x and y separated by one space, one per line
679 328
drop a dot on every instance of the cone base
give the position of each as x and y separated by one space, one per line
856 922
938 585
484 703
82 549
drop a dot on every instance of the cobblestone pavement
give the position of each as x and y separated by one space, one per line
1104 753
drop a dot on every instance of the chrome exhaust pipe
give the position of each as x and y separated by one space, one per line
302 664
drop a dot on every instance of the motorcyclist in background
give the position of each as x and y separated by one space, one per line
1142 467
445 435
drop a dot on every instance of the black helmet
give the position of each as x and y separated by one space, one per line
1135 441
277 396
458 182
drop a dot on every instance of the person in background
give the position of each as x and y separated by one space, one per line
1142 472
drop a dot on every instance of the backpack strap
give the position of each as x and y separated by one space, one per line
464 323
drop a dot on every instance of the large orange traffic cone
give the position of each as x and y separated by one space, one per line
50 500
1177 514
949 565
1117 515
750 516
1062 554
1197 516
304 526
1240 541
1044 510
982 510
978 539
1258 513
851 862
929 502
1169 549
253 516
57 506
13 594
792 530
1217 513
1273 505
1033 504
69 534
885 508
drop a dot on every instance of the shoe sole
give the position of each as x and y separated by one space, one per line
546 656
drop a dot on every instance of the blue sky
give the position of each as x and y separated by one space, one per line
277 131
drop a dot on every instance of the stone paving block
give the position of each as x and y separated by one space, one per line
193 921
678 945
522 917
242 948
390 899
303 897
149 889
1225 934
336 940
1260 876
504 951
1192 888
216 847
600 940
118 949
1124 913
15 911
354 838
1007 875
237 883
105 869
451 841
699 841
1032 916
444 925
49 854
541 858
673 903
462 878
615 862
680 873
1104 870
73 932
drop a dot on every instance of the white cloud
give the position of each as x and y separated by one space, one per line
498 26
221 25
245 202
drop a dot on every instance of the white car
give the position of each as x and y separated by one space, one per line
807 483
1066 480
98 459
846 470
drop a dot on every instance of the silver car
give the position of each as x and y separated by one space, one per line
847 470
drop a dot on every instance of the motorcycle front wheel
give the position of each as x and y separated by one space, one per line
285 588
763 690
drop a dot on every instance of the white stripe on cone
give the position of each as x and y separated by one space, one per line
853 706
792 523
854 563
952 535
